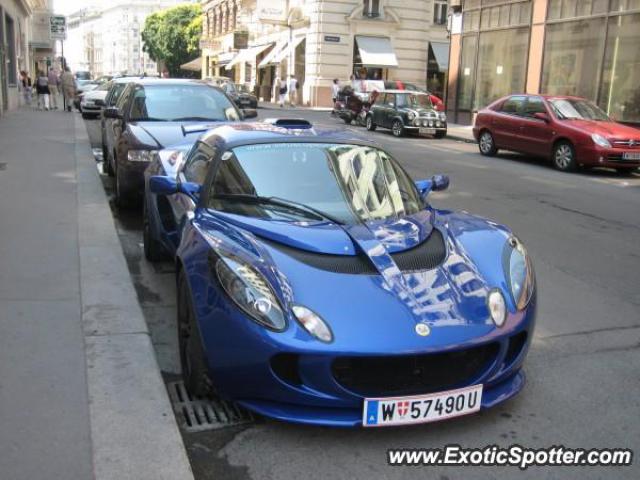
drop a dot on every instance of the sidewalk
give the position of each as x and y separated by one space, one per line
81 396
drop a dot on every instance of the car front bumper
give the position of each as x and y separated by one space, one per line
306 388
594 155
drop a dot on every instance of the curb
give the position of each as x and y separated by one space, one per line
134 433
461 138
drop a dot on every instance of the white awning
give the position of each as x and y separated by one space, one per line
441 53
269 59
248 55
225 58
285 52
194 65
376 51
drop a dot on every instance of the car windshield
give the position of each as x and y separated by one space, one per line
242 88
414 101
229 88
575 109
349 183
181 102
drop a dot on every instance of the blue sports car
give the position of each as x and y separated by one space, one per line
317 285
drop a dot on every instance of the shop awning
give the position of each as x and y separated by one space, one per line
285 52
194 65
376 51
269 59
225 58
248 55
441 54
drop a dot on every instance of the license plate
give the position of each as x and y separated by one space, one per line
428 131
631 156
379 412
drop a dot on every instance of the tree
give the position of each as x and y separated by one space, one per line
172 36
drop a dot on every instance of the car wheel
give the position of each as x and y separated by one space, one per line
564 156
397 128
369 123
347 120
153 250
106 163
192 359
123 199
441 134
486 144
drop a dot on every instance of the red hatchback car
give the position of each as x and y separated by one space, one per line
570 131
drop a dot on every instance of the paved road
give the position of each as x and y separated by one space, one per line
584 367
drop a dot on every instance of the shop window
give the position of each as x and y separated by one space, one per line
620 91
371 8
624 5
440 12
11 50
502 64
471 21
572 57
467 72
559 9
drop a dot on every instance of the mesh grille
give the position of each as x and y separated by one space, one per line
413 374
426 256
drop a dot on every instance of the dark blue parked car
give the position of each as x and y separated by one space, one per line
317 285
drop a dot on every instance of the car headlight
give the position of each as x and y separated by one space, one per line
520 273
443 117
312 323
141 155
600 140
497 307
411 115
250 291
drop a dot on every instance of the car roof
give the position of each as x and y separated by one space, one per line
169 81
254 133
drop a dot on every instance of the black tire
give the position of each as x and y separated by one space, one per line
85 116
397 128
153 249
106 163
123 197
369 123
440 134
192 360
487 144
564 156
347 120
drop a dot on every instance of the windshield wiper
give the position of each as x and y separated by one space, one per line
148 119
280 202
195 119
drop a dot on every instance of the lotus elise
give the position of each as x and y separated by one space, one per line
317 284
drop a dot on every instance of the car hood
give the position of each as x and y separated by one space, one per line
421 112
162 134
95 95
378 312
395 234
606 129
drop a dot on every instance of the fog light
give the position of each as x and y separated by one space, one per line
497 307
424 123
312 323
416 122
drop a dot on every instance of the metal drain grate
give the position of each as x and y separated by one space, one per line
197 414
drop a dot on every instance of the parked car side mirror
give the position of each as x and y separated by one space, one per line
542 116
113 112
163 185
249 113
434 184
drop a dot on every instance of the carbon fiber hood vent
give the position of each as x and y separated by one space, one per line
425 256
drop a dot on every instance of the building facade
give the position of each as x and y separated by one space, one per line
587 48
16 48
107 39
258 41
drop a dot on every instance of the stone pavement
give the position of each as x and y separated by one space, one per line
81 396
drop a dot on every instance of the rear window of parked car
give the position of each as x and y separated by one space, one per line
513 105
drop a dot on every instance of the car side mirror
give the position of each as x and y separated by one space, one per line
163 185
190 188
113 112
436 183
542 116
249 113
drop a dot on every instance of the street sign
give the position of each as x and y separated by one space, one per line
58 27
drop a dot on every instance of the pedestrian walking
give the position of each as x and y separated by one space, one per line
54 82
282 91
27 88
293 91
335 89
68 84
42 89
